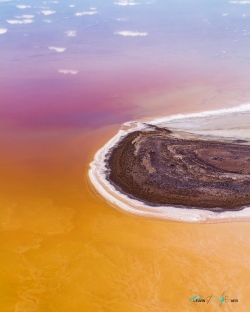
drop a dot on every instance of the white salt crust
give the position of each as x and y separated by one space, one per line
228 123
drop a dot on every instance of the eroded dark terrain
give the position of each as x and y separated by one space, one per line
158 168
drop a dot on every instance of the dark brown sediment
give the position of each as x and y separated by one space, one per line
158 168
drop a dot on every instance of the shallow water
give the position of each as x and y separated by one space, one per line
63 249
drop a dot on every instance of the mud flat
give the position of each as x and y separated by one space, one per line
193 168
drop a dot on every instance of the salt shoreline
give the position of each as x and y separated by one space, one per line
232 122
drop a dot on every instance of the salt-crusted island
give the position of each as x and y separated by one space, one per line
193 168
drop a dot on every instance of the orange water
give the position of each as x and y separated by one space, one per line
63 249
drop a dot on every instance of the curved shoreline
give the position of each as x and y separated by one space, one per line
120 200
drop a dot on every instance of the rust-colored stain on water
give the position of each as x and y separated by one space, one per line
64 249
